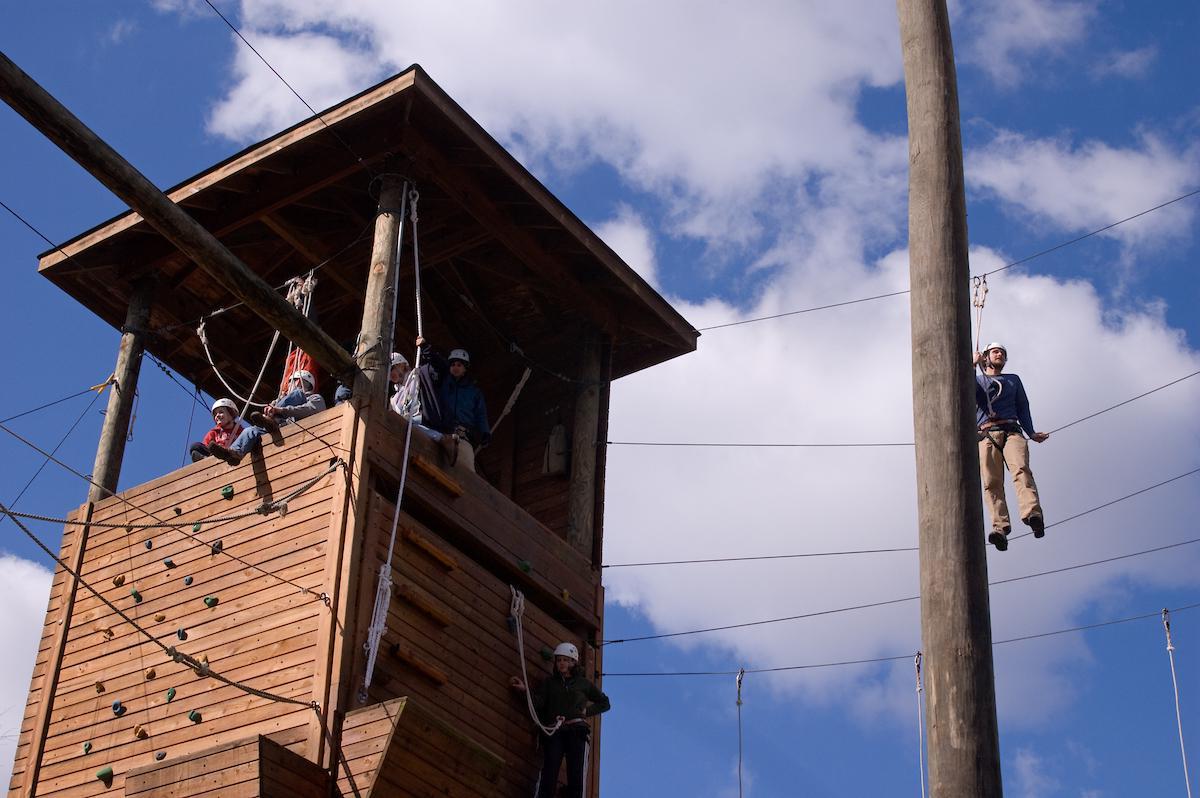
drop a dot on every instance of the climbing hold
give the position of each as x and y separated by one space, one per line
170 694
566 594
168 562
118 708
118 580
87 747
160 756
227 492
181 634
525 565
547 654
211 601
217 547
137 597
187 580
150 673
195 717
139 731
99 687
149 544
105 774
202 669
196 528
178 511
159 617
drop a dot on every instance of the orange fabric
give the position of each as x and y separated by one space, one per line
299 360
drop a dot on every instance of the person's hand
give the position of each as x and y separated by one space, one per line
516 684
420 340
269 411
1038 437
978 361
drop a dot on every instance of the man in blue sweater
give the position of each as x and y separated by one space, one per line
1002 413
452 404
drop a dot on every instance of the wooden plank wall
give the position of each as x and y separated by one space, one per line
261 632
251 768
550 401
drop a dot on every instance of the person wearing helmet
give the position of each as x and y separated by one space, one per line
1002 414
227 428
568 697
460 412
300 401
403 391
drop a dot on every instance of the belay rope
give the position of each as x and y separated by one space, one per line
383 588
1166 621
516 610
741 674
920 724
979 292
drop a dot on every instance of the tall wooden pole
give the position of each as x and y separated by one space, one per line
74 138
960 696
581 499
110 452
374 349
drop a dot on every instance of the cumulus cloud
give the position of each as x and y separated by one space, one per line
632 240
1005 37
1129 64
1056 184
28 586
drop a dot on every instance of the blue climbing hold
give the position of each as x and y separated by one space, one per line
217 547
181 634
149 544
187 580
169 562
118 708
160 756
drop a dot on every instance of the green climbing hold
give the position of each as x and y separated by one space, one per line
87 747
227 492
195 527
525 565
137 597
170 694
187 580
105 774
547 654
195 716
211 601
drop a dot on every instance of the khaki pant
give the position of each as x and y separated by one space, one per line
996 450
466 454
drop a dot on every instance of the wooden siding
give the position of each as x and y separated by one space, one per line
253 768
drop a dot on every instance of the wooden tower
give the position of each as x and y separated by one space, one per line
280 602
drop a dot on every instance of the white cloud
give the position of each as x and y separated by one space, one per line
121 30
1005 37
1130 64
1080 187
28 589
629 237
1032 778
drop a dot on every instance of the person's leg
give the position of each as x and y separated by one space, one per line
466 453
1016 456
991 471
198 451
552 756
575 747
342 395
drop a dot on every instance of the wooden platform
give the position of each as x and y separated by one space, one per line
251 768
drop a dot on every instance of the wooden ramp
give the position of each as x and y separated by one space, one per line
396 748
254 767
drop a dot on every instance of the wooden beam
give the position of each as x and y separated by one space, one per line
58 124
960 693
581 507
110 452
374 345
312 249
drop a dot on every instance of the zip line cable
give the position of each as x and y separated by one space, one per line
878 660
200 667
49 404
850 552
1088 417
888 602
1005 267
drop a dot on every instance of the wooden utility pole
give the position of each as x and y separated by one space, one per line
59 125
581 506
374 349
960 694
110 452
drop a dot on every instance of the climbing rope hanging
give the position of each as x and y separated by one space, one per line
1166 621
300 293
979 292
516 612
920 724
383 587
741 674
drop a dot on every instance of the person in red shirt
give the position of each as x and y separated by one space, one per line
228 427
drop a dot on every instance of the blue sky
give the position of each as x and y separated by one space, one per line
747 163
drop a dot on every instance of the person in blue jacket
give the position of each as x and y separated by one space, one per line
460 412
1002 414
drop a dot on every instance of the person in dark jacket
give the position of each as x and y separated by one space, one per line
452 404
565 699
1003 418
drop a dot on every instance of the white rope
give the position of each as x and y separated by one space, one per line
978 299
517 610
741 674
920 724
512 399
300 295
262 370
204 340
1166 619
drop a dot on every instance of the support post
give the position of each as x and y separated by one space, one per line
110 452
374 348
964 749
74 138
581 506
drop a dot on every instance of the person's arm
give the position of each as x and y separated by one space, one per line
600 702
1023 416
315 404
482 426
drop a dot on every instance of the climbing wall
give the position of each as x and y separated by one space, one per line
241 596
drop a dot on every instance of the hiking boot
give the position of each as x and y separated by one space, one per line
1038 525
999 540
221 453
268 424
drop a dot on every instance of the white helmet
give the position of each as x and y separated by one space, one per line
567 650
225 403
304 376
996 345
399 359
460 354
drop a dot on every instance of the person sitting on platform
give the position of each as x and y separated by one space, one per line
299 402
227 428
460 413
1002 414
402 391
568 699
